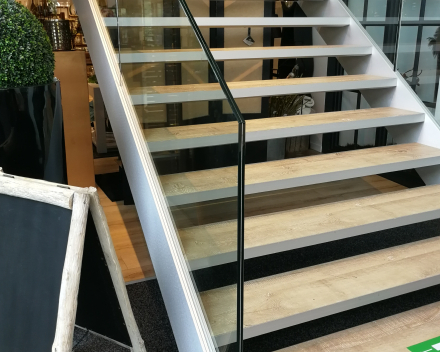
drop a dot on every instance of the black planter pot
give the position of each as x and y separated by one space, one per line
31 132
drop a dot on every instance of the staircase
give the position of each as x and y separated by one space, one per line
335 237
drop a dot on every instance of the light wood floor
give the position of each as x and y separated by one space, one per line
106 165
126 231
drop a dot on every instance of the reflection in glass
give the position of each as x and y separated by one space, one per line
428 63
411 10
357 7
432 10
407 50
377 33
377 10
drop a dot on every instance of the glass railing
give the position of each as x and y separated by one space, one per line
195 129
415 50
180 97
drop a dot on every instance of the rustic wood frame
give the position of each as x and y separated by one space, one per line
79 200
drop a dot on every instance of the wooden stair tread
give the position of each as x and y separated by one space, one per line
247 48
240 53
294 297
283 200
289 229
393 333
258 88
224 22
226 132
203 87
299 172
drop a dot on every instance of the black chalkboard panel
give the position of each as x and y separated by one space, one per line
33 242
98 306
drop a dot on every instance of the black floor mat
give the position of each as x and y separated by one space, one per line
151 317
84 341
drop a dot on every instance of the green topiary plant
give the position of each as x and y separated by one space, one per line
26 57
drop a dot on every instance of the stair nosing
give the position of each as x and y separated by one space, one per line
398 118
189 195
334 308
181 55
227 22
258 88
317 238
383 262
419 324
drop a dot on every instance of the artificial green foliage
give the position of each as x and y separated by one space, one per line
26 57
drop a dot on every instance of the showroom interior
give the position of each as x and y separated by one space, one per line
219 175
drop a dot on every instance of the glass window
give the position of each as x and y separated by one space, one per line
407 48
437 110
377 33
357 7
428 63
432 10
377 10
411 10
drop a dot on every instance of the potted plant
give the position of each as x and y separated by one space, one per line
31 138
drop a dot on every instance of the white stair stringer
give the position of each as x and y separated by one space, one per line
185 312
402 96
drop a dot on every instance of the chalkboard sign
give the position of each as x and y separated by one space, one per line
58 268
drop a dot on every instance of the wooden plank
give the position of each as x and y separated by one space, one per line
237 53
391 334
70 69
189 88
283 200
243 89
71 275
128 239
291 298
106 165
193 136
220 22
220 183
108 249
216 243
39 192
